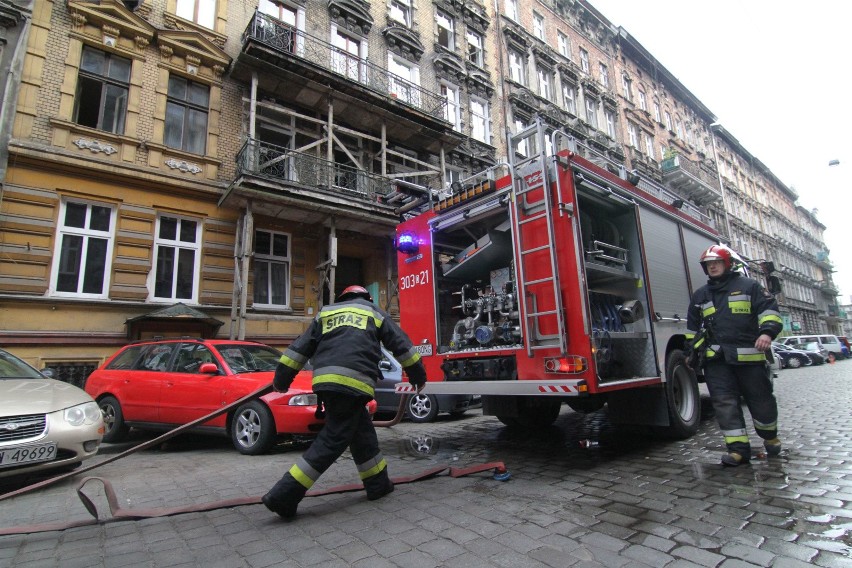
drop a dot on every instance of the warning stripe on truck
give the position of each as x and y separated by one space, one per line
520 388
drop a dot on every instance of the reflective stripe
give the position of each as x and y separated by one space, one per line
769 316
739 307
293 360
708 309
736 432
410 358
350 316
739 298
372 467
732 439
344 381
750 354
700 342
761 426
304 473
689 336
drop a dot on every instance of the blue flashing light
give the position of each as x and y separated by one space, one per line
407 243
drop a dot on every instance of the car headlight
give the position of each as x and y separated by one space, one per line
86 413
303 400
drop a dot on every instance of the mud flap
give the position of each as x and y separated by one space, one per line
644 407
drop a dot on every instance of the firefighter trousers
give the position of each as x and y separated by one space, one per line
347 424
727 383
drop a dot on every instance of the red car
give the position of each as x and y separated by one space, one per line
161 384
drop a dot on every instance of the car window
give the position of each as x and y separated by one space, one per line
249 358
191 356
828 339
127 358
13 368
156 357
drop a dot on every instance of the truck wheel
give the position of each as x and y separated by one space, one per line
253 429
115 429
682 398
533 412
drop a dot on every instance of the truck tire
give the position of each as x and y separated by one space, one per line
533 412
682 398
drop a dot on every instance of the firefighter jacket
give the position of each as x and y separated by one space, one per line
727 315
342 344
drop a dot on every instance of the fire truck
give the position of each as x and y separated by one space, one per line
555 279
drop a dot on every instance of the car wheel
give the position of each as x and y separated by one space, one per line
253 429
422 408
794 362
115 429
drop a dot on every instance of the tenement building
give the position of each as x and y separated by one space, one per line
226 167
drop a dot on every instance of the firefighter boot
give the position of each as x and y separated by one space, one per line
733 459
378 485
773 447
284 497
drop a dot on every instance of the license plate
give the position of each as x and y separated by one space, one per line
27 454
425 349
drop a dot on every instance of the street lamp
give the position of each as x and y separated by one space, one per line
721 184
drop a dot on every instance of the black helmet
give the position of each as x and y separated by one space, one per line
352 292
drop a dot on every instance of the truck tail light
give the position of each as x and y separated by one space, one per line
570 364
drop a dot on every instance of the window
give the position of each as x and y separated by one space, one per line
452 175
569 97
186 115
538 26
474 48
633 135
517 67
202 12
102 91
657 116
522 148
283 12
177 247
668 120
271 268
404 80
446 30
400 11
452 114
479 120
604 75
84 242
584 60
609 117
627 86
510 8
678 128
592 111
346 58
564 45
649 146
643 101
545 83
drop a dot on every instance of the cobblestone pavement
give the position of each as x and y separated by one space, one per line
630 501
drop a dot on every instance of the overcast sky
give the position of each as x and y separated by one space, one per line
776 73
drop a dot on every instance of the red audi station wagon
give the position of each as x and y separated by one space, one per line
161 384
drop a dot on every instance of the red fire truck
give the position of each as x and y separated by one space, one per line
558 282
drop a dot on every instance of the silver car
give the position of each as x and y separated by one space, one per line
44 423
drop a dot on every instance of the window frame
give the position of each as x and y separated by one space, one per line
564 44
485 119
400 11
592 112
604 74
177 245
188 108
585 65
445 25
569 103
538 26
197 6
453 105
87 234
510 9
517 64
105 82
475 49
270 258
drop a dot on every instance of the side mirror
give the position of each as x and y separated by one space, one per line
208 369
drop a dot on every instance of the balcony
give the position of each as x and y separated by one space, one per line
687 178
297 67
300 187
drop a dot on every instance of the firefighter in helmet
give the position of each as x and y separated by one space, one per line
733 320
343 345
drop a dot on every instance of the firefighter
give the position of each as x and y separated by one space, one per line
342 343
732 320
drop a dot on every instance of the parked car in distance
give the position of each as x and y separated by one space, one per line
44 423
162 384
830 342
420 407
815 351
789 358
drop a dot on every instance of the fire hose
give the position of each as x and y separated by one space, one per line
118 513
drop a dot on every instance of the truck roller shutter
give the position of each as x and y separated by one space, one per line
669 288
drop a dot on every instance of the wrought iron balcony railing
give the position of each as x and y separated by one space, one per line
280 164
291 42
